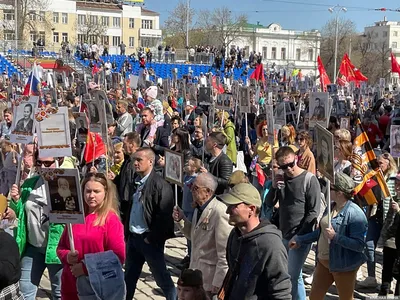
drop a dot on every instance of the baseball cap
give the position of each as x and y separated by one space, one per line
191 277
242 193
344 183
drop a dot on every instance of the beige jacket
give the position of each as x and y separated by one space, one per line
209 237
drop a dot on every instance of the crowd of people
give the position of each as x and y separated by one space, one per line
250 221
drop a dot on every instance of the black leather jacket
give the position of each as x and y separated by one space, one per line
221 168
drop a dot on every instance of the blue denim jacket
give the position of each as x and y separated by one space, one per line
346 250
105 280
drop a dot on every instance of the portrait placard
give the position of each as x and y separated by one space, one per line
205 95
81 126
345 123
52 126
395 140
95 110
64 191
280 113
173 167
319 109
325 152
23 123
192 94
244 99
269 111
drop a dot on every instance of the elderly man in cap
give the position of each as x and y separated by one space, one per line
256 246
208 231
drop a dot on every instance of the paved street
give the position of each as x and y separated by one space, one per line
175 251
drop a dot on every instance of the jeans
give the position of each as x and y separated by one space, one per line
296 259
323 279
139 252
373 233
32 268
389 257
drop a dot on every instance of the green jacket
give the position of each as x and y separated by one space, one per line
231 152
20 234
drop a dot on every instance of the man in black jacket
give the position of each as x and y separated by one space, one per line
256 246
124 180
219 164
149 225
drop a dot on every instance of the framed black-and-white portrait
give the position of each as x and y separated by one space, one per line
280 113
64 191
205 95
395 140
319 109
82 126
244 99
325 152
23 123
345 123
173 167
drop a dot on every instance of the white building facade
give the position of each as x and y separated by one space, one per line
288 49
384 36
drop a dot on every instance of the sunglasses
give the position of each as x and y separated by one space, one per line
47 164
300 139
286 166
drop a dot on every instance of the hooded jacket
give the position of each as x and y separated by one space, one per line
229 130
263 264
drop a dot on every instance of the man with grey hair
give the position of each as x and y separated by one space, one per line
208 231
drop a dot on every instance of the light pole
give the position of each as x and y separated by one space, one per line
336 9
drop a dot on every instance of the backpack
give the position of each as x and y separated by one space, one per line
307 182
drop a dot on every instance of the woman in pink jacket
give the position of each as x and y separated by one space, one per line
102 231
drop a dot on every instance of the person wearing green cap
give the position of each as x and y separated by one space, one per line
256 246
341 244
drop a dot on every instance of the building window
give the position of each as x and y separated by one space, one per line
131 42
33 36
41 16
42 35
105 21
64 37
93 20
273 53
394 45
385 34
56 17
116 22
264 52
9 35
131 23
395 33
64 18
81 38
8 15
116 41
81 19
298 54
56 37
283 53
105 40
32 15
147 24
310 54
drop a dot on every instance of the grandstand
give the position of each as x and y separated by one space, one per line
7 67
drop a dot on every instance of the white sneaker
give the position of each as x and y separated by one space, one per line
309 279
369 282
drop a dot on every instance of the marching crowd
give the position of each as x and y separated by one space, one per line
250 221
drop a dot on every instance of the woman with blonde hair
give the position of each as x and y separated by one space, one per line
342 154
342 134
288 137
101 232
376 216
306 159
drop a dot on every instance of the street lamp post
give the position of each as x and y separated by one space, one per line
336 9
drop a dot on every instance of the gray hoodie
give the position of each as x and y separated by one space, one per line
263 264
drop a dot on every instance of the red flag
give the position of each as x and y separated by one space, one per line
323 77
258 73
95 69
260 175
94 147
395 64
348 70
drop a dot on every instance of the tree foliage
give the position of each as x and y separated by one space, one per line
92 28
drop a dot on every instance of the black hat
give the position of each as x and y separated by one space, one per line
191 277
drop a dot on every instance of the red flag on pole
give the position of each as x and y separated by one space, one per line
258 73
395 65
94 147
323 77
348 70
